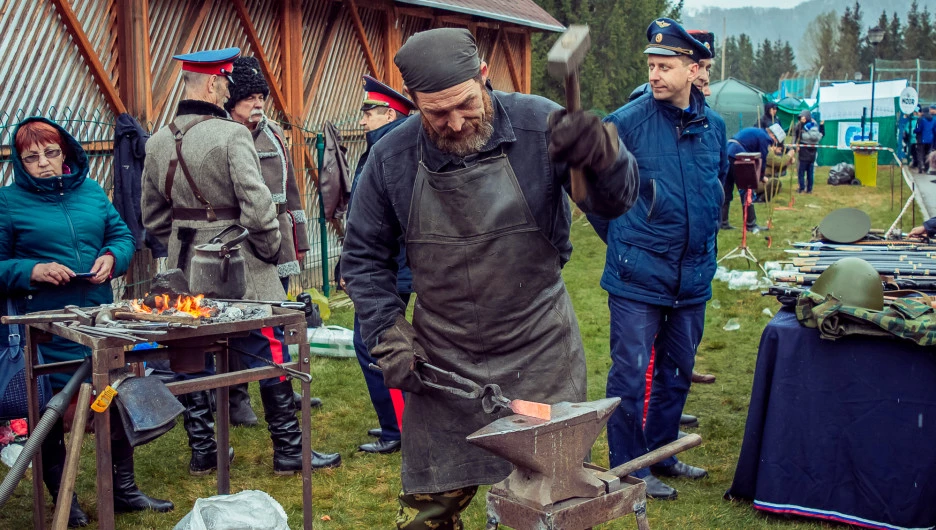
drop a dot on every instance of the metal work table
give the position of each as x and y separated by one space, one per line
108 356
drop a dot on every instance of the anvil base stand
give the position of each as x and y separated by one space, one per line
743 251
109 357
572 514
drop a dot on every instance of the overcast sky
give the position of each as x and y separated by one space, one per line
694 5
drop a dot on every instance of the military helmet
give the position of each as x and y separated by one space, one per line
845 225
852 281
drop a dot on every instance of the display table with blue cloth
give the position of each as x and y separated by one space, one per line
841 430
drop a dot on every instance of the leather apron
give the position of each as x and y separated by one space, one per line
491 306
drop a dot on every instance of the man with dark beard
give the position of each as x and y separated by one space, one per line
476 186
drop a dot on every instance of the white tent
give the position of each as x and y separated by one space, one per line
841 106
848 100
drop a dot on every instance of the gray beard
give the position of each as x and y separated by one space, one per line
472 144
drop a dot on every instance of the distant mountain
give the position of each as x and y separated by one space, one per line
789 24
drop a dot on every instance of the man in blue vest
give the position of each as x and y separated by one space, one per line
661 253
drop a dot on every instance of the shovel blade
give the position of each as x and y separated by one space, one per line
532 409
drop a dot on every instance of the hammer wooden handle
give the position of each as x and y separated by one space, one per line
574 103
662 453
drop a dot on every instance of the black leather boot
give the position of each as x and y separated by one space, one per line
127 496
199 424
242 414
752 225
280 412
53 464
724 216
314 402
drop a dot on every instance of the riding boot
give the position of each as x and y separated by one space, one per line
127 496
280 413
53 465
242 414
724 216
752 225
199 424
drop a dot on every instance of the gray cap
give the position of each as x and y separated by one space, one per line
437 59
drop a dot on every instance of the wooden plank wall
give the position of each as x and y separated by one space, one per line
83 62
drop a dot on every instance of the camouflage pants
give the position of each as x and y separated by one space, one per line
435 511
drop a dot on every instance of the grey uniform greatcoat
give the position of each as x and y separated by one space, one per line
221 156
279 176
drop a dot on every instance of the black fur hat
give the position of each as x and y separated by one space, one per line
248 79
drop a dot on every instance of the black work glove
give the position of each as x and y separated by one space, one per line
398 354
580 140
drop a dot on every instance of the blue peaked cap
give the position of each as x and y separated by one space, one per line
666 37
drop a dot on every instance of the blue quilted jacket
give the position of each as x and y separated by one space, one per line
67 219
663 250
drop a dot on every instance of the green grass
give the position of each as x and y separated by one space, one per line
361 493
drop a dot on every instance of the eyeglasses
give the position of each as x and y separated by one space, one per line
50 154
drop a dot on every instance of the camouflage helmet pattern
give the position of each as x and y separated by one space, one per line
852 281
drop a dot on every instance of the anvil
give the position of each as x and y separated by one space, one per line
548 456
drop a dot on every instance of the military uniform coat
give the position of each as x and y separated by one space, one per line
221 155
279 176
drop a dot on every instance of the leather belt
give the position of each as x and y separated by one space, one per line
281 208
201 214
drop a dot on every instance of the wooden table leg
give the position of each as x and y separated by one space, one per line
224 423
640 511
32 396
304 354
63 506
100 378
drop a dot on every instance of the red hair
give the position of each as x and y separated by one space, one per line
38 133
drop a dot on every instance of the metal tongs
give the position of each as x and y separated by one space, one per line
492 398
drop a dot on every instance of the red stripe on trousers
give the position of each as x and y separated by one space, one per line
276 348
396 397
649 377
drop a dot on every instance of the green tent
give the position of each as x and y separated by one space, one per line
739 103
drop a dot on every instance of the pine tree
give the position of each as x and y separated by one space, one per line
615 64
764 67
927 47
727 53
848 47
895 39
913 34
818 45
786 60
744 59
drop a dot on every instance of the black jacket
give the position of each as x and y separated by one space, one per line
129 153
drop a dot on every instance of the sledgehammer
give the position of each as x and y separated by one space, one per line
563 61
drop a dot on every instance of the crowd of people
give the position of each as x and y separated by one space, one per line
463 203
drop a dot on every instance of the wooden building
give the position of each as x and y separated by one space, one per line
82 62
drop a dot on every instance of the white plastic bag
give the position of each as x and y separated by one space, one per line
331 341
247 510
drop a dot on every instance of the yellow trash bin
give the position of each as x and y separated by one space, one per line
866 161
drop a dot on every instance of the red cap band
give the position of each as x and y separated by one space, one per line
394 103
209 68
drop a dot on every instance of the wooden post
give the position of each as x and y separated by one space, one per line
527 62
362 38
133 48
393 40
292 76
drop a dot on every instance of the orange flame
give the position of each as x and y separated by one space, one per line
183 304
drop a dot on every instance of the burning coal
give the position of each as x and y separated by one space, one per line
159 304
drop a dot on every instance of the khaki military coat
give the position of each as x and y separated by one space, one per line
278 174
220 154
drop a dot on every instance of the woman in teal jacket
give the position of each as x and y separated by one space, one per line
55 222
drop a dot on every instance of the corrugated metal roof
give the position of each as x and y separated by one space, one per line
520 12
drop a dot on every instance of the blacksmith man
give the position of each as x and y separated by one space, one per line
477 185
